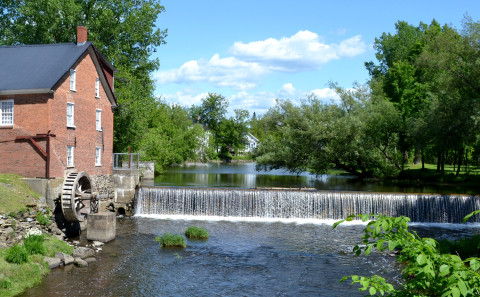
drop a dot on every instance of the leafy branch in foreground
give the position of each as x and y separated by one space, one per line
427 272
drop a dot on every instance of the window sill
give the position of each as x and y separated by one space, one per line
73 90
98 165
6 126
100 130
72 127
70 166
98 97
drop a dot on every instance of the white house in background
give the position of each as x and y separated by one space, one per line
251 143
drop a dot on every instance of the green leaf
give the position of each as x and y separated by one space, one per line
337 223
392 245
462 287
444 270
372 291
455 292
421 259
365 217
474 263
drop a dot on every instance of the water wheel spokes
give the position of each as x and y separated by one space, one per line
76 196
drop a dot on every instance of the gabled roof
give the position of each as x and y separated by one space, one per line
37 68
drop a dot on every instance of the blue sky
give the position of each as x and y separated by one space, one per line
253 52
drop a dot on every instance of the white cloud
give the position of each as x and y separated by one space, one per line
251 62
221 72
258 102
303 51
185 98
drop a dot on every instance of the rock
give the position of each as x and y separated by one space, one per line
83 252
80 263
9 230
90 259
53 262
97 243
2 221
66 259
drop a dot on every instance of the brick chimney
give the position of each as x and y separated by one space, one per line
81 35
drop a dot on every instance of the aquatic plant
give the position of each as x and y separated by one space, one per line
172 240
194 232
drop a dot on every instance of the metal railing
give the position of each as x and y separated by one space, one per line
126 161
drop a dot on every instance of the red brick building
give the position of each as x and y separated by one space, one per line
56 109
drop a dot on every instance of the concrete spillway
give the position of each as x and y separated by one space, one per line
225 202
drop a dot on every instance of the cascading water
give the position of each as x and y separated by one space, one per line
294 204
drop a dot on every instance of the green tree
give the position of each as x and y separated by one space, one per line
123 31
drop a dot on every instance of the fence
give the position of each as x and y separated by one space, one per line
125 161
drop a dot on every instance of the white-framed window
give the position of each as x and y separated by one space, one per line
98 156
6 112
70 155
73 80
97 88
70 114
98 120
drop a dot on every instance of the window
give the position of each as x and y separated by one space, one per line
97 88
70 156
98 156
73 80
70 115
99 120
6 112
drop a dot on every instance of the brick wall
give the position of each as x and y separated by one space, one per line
39 113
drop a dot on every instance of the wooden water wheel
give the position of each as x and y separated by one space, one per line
78 199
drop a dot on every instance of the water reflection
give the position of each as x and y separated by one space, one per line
244 175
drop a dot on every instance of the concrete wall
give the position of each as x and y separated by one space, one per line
147 169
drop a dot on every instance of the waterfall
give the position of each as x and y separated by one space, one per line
224 202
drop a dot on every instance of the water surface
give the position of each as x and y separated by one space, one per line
244 175
241 258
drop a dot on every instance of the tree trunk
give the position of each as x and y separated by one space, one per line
460 158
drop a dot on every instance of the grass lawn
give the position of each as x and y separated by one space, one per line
15 193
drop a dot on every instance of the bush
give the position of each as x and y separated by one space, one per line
6 283
194 232
426 272
172 240
42 219
34 245
17 254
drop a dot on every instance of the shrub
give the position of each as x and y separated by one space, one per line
172 240
17 254
34 245
194 232
42 219
426 271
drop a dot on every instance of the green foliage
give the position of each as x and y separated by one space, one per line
172 240
5 283
194 232
358 135
427 272
16 254
34 245
42 219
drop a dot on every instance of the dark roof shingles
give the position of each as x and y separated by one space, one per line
37 66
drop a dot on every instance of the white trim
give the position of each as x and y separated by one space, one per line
98 159
25 91
70 150
12 113
72 123
97 88
73 80
98 119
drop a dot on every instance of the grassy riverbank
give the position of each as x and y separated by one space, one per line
15 199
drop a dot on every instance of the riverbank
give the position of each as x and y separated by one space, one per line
22 213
